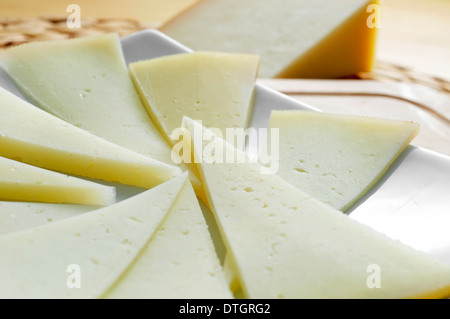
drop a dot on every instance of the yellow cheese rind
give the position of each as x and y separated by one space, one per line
179 261
23 182
297 38
92 249
337 158
214 87
85 82
17 216
34 136
288 245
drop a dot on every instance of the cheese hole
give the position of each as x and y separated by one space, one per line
248 189
300 170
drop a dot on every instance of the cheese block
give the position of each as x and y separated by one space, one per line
82 256
295 38
337 158
16 216
36 137
23 182
286 244
214 87
179 262
85 82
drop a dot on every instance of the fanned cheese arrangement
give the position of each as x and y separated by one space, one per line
97 126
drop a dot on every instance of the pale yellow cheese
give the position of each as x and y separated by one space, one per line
295 38
179 261
82 256
36 137
85 82
285 244
337 158
214 87
16 216
23 182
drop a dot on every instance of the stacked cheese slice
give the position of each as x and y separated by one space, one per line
286 244
85 255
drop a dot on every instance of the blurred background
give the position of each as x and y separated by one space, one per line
410 81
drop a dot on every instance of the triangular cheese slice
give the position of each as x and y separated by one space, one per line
214 87
36 137
286 244
23 182
337 158
179 262
295 38
82 256
17 216
85 82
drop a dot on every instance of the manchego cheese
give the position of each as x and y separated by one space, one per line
23 182
286 244
36 137
179 261
295 38
17 216
85 82
214 87
337 158
82 256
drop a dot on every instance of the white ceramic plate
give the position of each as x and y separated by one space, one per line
410 203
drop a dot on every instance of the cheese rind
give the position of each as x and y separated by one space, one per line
178 262
41 139
85 82
17 216
337 158
92 249
296 38
23 182
214 87
286 244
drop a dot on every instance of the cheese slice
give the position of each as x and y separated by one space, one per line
23 182
179 262
85 82
285 244
337 158
36 137
214 87
16 216
82 256
295 38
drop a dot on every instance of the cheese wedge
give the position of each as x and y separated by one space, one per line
179 262
337 158
285 244
16 216
36 137
82 256
295 38
85 82
214 87
23 182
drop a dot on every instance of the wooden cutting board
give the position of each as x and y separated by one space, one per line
392 100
